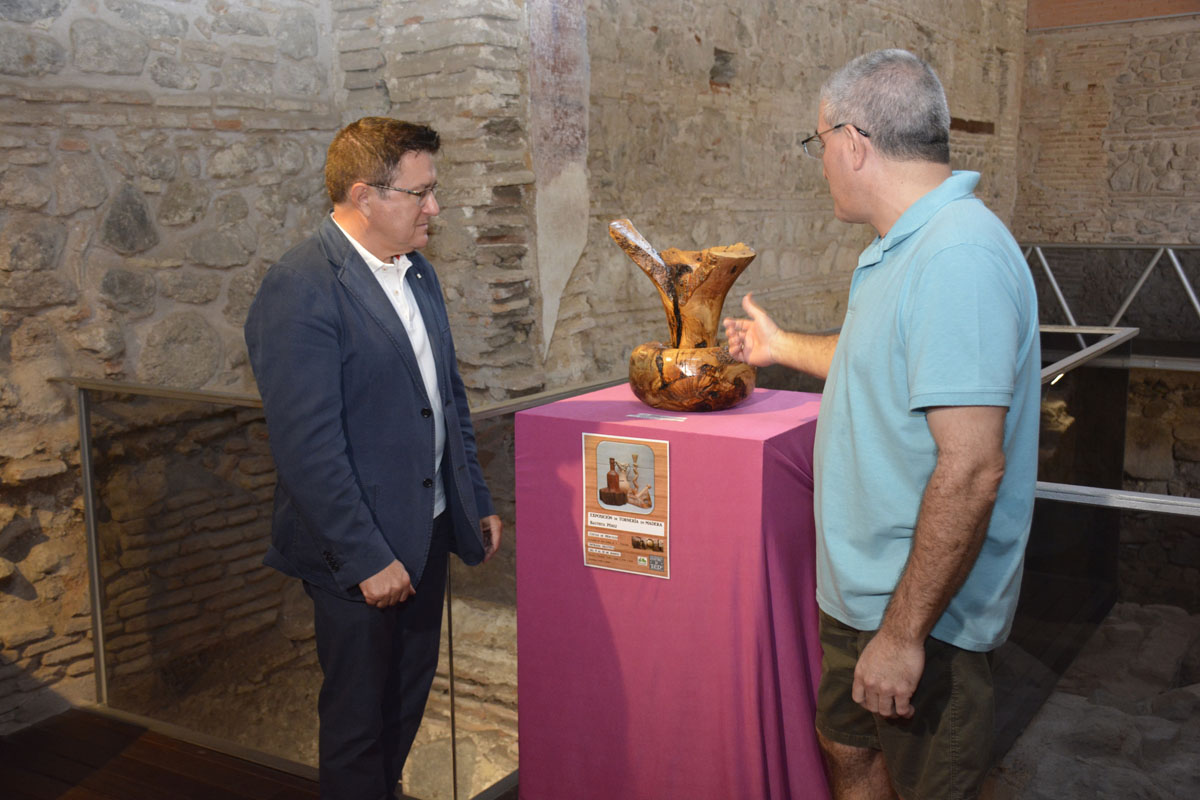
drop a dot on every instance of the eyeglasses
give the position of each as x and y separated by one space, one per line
421 195
818 144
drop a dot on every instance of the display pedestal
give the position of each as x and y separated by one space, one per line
698 686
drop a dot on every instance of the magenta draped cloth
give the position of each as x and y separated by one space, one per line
699 686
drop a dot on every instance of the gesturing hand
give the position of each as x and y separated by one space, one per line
887 674
750 339
389 586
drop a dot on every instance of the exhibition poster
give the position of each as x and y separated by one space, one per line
625 506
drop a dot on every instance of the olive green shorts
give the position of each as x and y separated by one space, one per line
945 750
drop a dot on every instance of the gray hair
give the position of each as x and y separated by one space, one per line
897 99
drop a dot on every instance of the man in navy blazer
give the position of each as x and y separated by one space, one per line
378 478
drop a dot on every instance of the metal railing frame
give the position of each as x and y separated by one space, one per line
1158 251
1089 495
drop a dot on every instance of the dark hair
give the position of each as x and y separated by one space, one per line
369 150
897 99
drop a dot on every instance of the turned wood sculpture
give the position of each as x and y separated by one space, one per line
689 373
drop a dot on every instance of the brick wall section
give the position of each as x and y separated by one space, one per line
460 66
184 500
1109 151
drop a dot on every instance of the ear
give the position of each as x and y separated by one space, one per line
359 196
858 148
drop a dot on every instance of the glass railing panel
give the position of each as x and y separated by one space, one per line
484 609
198 635
197 632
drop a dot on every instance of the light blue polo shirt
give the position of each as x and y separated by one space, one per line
942 312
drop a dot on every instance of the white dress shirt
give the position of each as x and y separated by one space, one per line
391 279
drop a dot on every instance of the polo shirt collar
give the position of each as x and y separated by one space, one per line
961 184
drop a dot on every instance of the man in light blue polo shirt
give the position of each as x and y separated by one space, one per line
926 450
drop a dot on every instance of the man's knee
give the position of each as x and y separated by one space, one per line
855 772
844 754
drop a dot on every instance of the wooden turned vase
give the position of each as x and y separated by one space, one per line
691 372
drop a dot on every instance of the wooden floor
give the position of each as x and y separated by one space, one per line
81 755
84 755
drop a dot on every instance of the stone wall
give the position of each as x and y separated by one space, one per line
158 157
1109 151
154 159
697 111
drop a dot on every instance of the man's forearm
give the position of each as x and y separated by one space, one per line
811 353
951 528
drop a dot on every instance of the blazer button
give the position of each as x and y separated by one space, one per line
427 482
426 412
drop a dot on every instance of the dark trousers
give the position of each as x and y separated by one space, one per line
379 666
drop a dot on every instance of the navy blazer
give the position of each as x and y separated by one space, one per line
350 422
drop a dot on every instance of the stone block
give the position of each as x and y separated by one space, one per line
152 20
190 286
28 158
342 6
22 187
240 597
31 469
129 291
67 654
78 183
265 54
359 60
185 564
248 77
127 227
84 666
232 162
362 17
184 202
45 646
235 99
435 35
97 46
31 10
296 34
269 602
181 350
134 667
171 73
31 243
128 598
304 79
27 55
220 249
250 567
349 41
362 80
1187 442
232 21
1148 450
135 559
256 622
425 11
